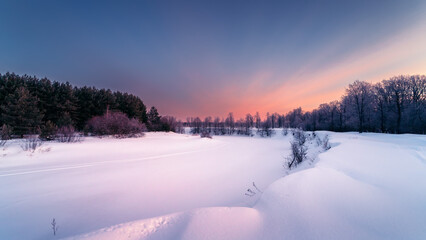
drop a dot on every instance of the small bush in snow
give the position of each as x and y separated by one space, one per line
67 134
323 142
298 149
30 143
311 136
318 140
285 131
298 154
116 124
205 134
326 142
299 136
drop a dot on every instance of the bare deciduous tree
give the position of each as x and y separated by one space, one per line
265 129
360 94
248 124
207 124
258 120
397 89
230 123
196 125
179 127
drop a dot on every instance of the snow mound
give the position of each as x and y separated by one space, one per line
207 223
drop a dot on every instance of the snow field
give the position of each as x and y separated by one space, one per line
102 182
170 186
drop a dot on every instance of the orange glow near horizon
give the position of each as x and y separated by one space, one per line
403 54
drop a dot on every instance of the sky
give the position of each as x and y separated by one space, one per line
208 58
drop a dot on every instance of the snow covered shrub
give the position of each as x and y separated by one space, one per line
299 136
48 131
30 143
326 142
298 149
298 154
67 134
285 131
318 140
205 134
323 142
311 136
116 124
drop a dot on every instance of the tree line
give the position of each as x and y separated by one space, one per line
395 105
29 105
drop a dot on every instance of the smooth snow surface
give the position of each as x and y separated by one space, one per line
102 182
169 186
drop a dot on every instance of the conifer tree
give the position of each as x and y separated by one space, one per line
153 119
20 111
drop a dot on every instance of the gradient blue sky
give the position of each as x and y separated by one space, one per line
210 57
